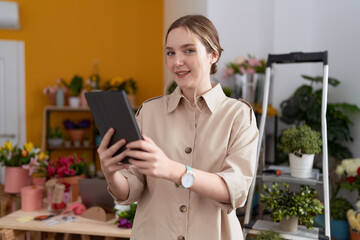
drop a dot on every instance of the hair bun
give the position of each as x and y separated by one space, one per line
213 69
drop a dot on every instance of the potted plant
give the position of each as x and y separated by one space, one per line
354 222
301 143
68 170
339 224
290 207
76 129
269 235
128 85
54 137
16 161
75 87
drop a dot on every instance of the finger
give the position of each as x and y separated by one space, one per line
147 139
137 154
115 147
141 144
106 140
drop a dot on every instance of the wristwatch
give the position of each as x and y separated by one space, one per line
187 180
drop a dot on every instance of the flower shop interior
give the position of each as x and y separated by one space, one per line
53 52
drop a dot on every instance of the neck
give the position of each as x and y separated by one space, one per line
189 93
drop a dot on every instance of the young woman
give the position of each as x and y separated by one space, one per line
198 153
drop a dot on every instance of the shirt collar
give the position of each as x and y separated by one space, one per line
213 98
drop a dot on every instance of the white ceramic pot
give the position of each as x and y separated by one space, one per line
74 101
301 167
55 142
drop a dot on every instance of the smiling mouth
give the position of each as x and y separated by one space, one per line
182 73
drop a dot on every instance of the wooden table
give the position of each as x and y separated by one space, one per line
82 226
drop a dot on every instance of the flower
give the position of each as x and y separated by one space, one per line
242 66
14 156
349 171
38 165
69 124
353 219
126 217
118 83
67 166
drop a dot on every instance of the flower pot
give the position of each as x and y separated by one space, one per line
74 101
289 225
354 235
55 142
74 182
301 167
340 229
38 180
15 179
76 134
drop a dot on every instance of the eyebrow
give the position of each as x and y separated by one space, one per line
183 46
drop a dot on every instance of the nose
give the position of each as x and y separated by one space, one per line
179 61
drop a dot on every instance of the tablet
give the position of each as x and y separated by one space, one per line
111 109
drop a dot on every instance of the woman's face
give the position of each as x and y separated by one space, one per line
187 60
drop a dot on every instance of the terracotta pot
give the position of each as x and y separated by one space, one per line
76 134
38 180
74 182
15 179
289 225
354 235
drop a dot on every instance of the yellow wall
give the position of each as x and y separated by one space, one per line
62 37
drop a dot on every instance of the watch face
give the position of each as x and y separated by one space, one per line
187 180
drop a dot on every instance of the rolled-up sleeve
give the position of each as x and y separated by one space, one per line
239 166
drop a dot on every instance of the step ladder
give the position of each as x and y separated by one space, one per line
259 225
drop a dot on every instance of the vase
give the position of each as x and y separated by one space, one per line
76 134
15 179
339 229
245 87
74 101
301 167
289 225
40 181
354 235
74 183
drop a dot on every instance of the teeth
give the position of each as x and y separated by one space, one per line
182 73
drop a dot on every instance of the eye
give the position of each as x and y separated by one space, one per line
170 53
189 50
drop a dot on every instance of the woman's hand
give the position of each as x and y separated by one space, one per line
110 165
152 160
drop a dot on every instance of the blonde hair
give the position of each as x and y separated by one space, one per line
205 30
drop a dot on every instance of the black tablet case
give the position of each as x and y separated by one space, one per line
112 109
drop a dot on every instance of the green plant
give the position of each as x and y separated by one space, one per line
18 156
54 132
118 83
228 91
126 218
284 203
304 107
339 208
75 86
269 235
301 139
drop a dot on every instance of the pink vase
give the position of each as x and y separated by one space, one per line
31 198
15 179
38 181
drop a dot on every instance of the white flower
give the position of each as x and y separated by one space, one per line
340 170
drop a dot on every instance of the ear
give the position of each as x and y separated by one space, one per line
214 57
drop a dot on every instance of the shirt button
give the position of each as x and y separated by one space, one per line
180 237
188 150
183 208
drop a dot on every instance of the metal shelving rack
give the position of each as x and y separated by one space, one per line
317 178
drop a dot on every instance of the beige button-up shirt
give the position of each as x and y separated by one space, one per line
218 136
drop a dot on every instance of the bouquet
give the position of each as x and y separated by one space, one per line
15 156
69 166
243 65
38 165
126 217
349 171
354 220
